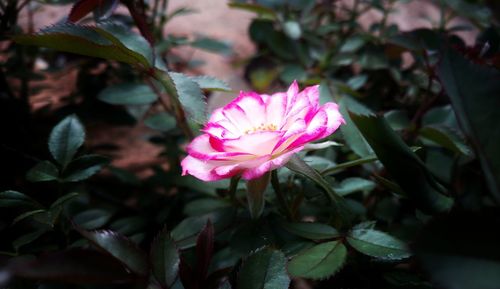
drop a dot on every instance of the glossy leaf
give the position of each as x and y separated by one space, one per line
403 165
378 244
63 200
351 133
42 172
16 199
165 259
108 41
82 8
340 207
65 139
84 167
120 248
473 91
204 250
354 184
318 262
313 231
28 214
264 269
92 219
445 137
186 232
128 94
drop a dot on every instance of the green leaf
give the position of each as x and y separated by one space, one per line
165 259
318 262
212 45
84 167
108 41
445 137
354 184
403 165
28 238
351 133
397 119
352 44
63 200
262 11
42 172
460 251
162 121
264 269
128 94
16 199
185 232
340 207
191 97
65 139
313 231
378 244
28 214
293 72
292 29
92 219
120 248
473 91
204 206
210 83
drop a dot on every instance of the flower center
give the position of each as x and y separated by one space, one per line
262 127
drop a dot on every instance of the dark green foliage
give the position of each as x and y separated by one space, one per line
416 165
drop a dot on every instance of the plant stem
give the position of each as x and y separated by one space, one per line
179 114
233 186
280 196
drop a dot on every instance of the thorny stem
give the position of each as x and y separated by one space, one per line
280 196
179 114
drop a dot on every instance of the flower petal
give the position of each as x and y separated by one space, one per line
257 143
335 119
201 148
200 169
269 165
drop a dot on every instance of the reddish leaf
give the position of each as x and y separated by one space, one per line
140 21
186 275
82 8
204 250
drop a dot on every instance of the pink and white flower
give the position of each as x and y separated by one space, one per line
256 133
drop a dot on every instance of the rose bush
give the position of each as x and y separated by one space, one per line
256 133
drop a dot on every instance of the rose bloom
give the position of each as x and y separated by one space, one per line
257 133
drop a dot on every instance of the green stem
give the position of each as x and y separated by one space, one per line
179 114
280 196
233 186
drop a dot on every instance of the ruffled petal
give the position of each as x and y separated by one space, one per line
201 148
269 165
335 119
258 143
276 106
202 170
